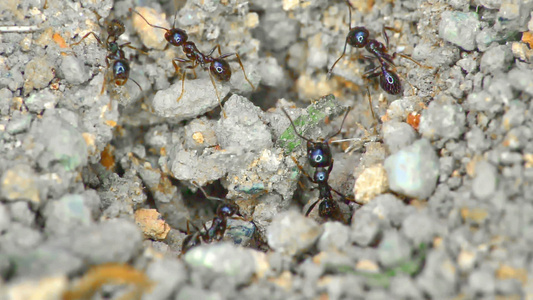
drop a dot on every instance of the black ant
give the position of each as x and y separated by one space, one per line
217 67
121 65
320 157
360 37
218 226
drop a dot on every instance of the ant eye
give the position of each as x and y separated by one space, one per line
319 158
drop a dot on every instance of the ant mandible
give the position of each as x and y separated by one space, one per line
217 67
320 157
121 65
359 37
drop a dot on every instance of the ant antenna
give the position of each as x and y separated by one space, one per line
205 194
175 17
155 26
294 127
346 42
344 119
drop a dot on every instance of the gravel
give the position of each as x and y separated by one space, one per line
98 176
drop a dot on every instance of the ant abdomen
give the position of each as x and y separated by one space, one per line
121 71
390 82
220 69
358 37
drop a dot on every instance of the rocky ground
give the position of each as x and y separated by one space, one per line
99 182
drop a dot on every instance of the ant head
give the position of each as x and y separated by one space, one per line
176 37
121 71
390 82
220 69
115 28
318 154
358 37
227 210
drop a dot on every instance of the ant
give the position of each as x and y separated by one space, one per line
217 67
320 157
218 226
121 65
360 37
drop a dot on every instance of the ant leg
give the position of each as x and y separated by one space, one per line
302 170
84 37
238 60
344 119
310 209
218 96
176 67
131 47
346 197
372 110
293 126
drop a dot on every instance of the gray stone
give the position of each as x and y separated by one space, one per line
19 237
514 116
334 236
496 59
521 79
404 287
62 143
20 212
188 292
73 70
439 276
419 227
482 282
5 220
393 249
114 240
397 135
20 182
459 28
292 233
484 101
486 180
442 119
199 97
168 274
223 259
414 170
477 141
19 123
366 227
66 214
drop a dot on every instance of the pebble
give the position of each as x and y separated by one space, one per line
404 287
334 236
44 260
397 135
65 214
439 276
370 183
199 134
366 228
188 292
19 237
393 249
223 259
74 70
496 59
62 143
115 240
442 120
5 220
240 232
151 223
19 123
168 274
485 181
521 79
20 183
419 227
482 282
152 38
41 100
292 233
414 170
514 116
49 288
199 97
460 28
37 74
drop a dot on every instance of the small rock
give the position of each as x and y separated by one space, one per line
223 259
73 70
460 28
393 249
439 276
366 228
199 97
521 79
152 38
397 135
482 282
44 260
404 287
370 183
64 215
20 183
41 100
334 236
167 274
37 74
419 227
240 232
292 233
19 237
496 59
442 119
5 220
414 170
152 224
188 292
19 123
485 183
45 288
199 134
